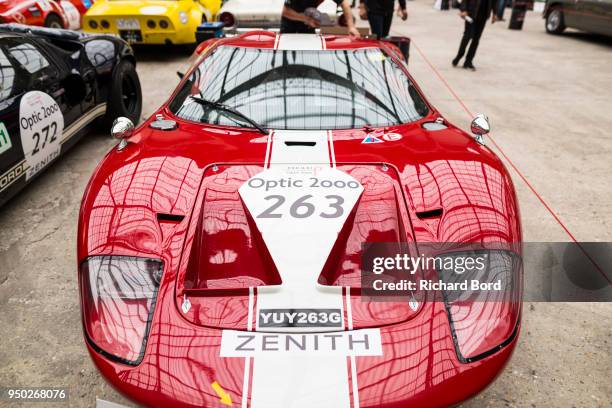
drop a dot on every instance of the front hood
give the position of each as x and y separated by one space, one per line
132 7
11 6
231 244
261 228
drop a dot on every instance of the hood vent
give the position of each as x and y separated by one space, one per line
174 218
300 143
428 214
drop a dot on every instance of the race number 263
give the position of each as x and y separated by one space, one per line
302 207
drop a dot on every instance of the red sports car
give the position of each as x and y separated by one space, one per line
222 245
47 13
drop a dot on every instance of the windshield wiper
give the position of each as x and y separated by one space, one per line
225 108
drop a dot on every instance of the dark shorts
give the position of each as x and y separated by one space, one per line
295 27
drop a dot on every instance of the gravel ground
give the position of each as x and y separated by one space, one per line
549 102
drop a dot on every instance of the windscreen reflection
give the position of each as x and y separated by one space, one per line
301 90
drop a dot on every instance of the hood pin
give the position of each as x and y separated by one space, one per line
414 305
186 304
163 124
384 167
215 168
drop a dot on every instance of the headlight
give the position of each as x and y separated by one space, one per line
93 24
183 17
483 317
118 299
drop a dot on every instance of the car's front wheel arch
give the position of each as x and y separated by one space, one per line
555 21
53 20
125 97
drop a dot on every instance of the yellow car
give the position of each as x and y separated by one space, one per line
150 21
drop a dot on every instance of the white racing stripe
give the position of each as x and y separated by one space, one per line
83 121
292 147
300 42
247 360
299 246
349 323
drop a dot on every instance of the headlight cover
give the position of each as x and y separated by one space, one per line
483 321
118 295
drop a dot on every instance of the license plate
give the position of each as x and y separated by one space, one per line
128 24
131 36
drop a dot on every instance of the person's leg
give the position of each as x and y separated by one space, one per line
388 18
376 24
501 7
467 34
479 26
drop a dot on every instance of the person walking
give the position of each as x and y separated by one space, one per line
294 20
379 14
475 13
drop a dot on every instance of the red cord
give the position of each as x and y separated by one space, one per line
533 190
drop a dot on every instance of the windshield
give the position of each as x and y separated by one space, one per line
300 90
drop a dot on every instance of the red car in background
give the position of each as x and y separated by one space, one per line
46 13
220 243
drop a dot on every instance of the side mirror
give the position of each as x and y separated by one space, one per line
480 126
122 129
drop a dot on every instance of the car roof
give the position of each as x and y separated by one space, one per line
21 29
272 40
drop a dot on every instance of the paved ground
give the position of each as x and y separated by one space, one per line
550 104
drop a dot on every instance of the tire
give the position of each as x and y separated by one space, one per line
555 23
54 21
125 97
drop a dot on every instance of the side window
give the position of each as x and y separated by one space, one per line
101 53
31 60
7 76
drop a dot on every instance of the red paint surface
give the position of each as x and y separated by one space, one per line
31 13
207 253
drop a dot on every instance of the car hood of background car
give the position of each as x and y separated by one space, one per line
13 5
130 7
175 195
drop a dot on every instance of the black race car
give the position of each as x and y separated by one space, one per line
54 84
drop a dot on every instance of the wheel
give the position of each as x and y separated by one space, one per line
54 21
125 98
554 21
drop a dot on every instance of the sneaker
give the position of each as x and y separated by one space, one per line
470 66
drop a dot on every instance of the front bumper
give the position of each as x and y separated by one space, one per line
174 33
419 367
